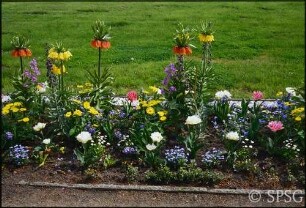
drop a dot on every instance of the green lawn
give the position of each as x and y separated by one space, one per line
258 45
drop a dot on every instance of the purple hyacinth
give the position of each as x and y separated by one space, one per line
172 89
9 135
129 150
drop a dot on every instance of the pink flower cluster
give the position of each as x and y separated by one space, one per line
257 95
132 96
275 126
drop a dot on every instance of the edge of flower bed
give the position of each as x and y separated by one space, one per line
159 188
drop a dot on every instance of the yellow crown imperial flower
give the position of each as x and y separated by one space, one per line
206 33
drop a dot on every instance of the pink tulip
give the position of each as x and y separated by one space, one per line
132 95
275 126
257 95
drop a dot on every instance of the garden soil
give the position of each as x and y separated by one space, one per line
14 195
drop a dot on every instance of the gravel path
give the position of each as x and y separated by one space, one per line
28 196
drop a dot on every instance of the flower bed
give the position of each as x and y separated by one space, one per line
174 134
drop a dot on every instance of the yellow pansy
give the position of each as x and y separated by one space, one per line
5 111
77 113
68 114
161 113
162 118
86 105
26 119
298 118
150 111
93 111
206 38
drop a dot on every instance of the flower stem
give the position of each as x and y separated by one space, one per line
62 77
99 65
21 67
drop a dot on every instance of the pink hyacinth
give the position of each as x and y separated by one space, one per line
257 95
275 126
132 95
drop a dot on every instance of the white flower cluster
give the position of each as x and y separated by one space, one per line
232 135
102 140
156 138
223 95
289 144
247 143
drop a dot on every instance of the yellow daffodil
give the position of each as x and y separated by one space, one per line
93 111
26 119
77 113
150 111
86 105
68 114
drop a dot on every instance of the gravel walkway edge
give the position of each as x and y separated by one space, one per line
298 192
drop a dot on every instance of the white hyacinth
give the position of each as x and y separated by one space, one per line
223 94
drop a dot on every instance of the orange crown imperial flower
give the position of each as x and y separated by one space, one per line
20 47
101 35
182 39
182 50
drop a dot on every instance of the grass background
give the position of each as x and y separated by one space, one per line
258 45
